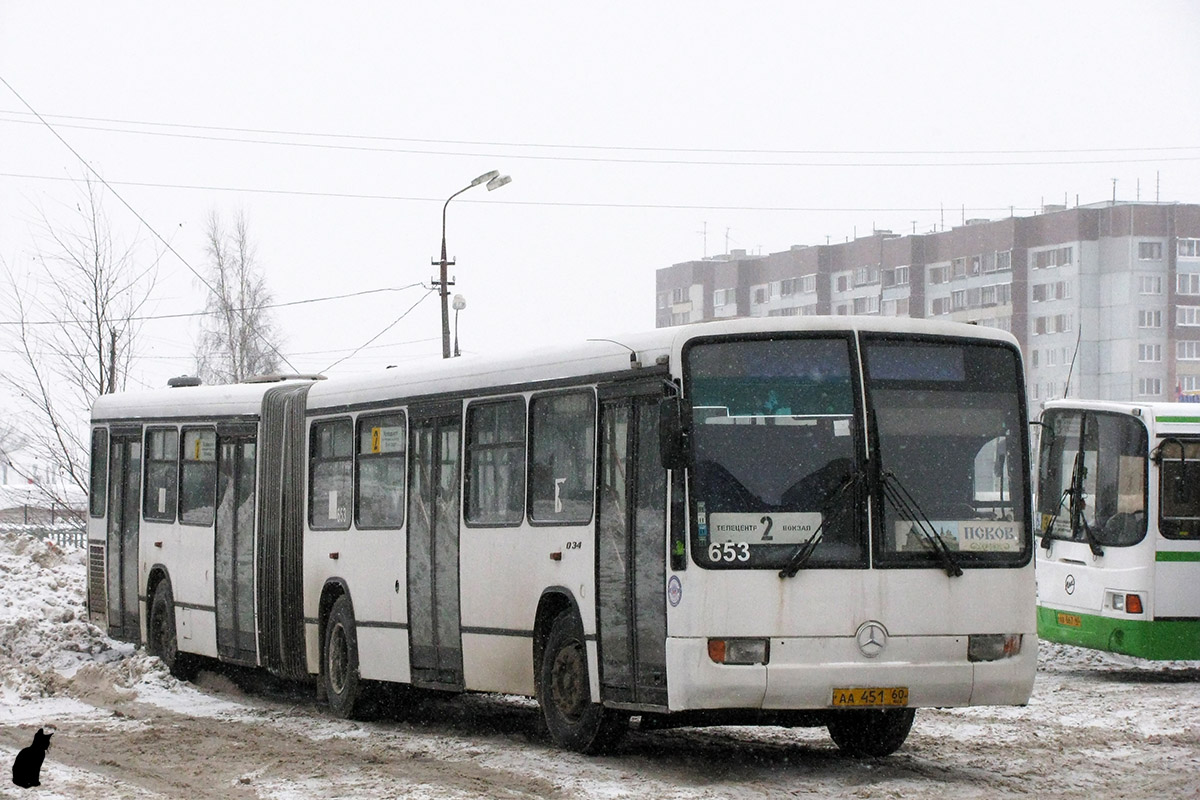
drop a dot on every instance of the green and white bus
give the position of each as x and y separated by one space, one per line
1118 496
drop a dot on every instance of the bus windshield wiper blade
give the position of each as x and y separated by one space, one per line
806 548
903 501
1078 475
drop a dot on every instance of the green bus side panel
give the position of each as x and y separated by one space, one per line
1160 640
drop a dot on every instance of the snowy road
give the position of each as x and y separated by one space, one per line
1098 726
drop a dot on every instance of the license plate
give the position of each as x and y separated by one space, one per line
1070 620
871 698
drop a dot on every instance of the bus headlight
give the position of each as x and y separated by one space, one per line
739 651
993 646
1125 601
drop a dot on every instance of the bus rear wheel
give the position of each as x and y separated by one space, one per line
339 668
871 732
564 693
161 637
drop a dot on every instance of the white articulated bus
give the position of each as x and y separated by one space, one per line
1119 499
817 521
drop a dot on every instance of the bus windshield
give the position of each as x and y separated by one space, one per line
774 452
1092 478
950 430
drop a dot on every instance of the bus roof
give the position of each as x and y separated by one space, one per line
436 376
1163 418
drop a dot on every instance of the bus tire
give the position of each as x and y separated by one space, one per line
871 732
339 665
564 692
161 636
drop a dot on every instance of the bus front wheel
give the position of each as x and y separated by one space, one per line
564 693
161 638
343 686
871 732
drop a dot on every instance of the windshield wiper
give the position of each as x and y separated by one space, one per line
806 548
903 501
1078 476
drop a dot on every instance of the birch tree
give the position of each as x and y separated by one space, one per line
72 320
238 336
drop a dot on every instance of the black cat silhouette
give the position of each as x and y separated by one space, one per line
27 769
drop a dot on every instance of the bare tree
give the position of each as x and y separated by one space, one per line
72 319
238 338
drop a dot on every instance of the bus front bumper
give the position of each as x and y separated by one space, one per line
802 674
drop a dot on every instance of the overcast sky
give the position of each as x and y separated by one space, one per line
629 129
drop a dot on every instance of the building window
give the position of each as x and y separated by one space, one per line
760 295
1150 284
1189 248
1188 283
331 468
162 472
1189 383
809 283
937 275
495 492
958 268
1033 358
1149 387
1187 316
976 263
562 444
866 305
958 300
843 283
198 479
679 295
724 297
1053 258
1150 353
663 300
1150 251
787 287
1003 260
939 306
382 447
1150 319
1187 351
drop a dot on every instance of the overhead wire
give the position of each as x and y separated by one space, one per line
135 212
560 146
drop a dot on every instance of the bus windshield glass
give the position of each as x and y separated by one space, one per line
1092 477
774 452
949 423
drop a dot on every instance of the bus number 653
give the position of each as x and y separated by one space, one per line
729 551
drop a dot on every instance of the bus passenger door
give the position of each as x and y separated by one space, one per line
124 516
632 530
434 631
234 553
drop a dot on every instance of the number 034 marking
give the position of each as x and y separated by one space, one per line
729 551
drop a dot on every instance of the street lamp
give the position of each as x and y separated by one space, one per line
460 303
494 180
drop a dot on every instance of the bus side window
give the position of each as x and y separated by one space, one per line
562 447
198 477
379 495
159 495
332 454
495 473
98 491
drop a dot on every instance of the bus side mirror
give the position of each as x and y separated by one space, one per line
673 435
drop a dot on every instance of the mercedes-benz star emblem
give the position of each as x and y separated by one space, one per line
1070 584
872 638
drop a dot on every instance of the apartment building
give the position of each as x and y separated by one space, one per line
1104 299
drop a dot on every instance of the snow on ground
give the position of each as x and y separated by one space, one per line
1098 725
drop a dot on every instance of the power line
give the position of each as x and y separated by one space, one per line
559 146
1005 209
382 332
134 211
659 161
152 317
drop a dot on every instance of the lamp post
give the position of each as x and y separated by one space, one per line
494 180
